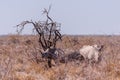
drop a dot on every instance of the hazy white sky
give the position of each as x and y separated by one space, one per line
76 16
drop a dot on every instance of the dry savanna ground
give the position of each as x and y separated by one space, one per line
18 55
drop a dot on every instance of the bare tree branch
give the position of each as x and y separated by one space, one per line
48 31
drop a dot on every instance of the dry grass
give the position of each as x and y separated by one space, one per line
17 61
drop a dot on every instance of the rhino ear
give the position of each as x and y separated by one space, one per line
95 46
42 51
99 48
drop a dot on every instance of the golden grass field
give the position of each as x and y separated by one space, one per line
18 53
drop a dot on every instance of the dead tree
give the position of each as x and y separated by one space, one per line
49 35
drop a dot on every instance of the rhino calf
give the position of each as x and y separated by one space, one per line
91 52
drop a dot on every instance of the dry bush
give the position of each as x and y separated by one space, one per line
49 34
